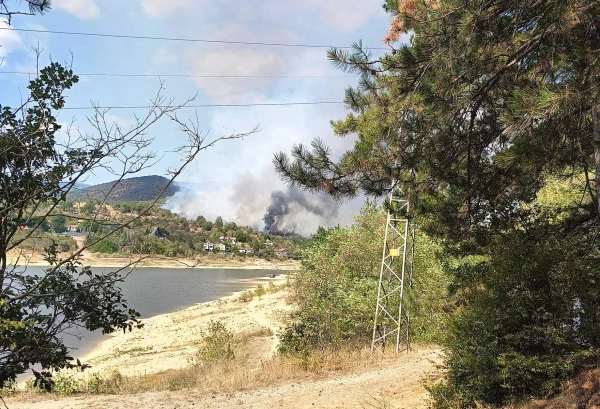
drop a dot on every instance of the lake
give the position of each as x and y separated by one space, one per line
153 291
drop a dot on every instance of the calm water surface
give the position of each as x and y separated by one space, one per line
153 291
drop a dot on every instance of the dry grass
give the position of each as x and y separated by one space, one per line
240 374
582 392
260 290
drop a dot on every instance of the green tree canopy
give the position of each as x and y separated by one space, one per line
471 113
36 175
481 108
59 223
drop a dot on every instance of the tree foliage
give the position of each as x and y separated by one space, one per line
528 320
471 113
336 288
10 8
488 117
37 171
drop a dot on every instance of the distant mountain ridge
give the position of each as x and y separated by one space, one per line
136 189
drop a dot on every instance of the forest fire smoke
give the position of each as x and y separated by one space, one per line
265 204
287 208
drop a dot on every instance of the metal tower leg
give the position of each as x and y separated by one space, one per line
392 320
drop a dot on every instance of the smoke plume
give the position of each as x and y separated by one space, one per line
291 208
263 202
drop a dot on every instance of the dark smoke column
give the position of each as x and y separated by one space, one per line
280 209
277 209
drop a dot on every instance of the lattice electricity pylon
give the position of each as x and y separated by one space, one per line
392 321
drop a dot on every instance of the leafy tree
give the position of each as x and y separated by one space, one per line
105 246
36 174
484 105
241 236
528 321
32 172
90 226
336 288
200 220
89 207
67 206
219 222
59 223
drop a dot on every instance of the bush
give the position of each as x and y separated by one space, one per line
336 288
217 344
64 384
246 296
528 320
111 384
9 388
104 246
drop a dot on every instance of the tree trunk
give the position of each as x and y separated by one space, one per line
596 135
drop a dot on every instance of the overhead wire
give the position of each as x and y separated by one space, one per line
197 40
258 104
180 39
102 74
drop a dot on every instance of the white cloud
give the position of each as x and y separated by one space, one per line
342 14
165 56
83 9
160 8
9 42
243 62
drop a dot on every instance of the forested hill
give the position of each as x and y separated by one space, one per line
128 190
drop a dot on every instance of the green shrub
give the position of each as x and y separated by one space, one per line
336 288
104 246
528 320
9 388
99 384
217 344
260 291
64 384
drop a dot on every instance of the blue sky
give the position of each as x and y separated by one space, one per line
237 176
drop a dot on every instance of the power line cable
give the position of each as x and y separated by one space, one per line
265 104
181 39
101 74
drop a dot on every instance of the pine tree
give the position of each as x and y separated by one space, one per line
484 100
10 8
484 105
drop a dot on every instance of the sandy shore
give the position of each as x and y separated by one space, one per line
205 261
171 341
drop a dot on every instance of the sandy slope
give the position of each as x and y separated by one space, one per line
170 341
395 386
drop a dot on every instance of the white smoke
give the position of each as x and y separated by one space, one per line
264 203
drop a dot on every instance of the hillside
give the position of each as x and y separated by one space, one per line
141 188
